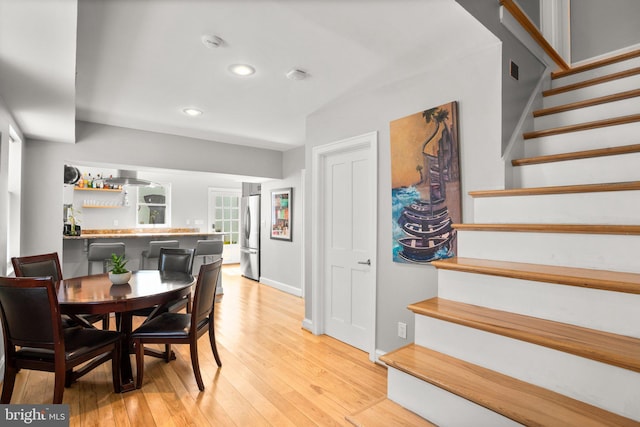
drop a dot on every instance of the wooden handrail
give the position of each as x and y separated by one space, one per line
533 31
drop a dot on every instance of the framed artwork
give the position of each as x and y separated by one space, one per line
281 201
425 181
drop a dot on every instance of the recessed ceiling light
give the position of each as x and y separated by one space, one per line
192 112
242 69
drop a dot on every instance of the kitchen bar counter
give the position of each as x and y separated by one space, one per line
124 233
74 248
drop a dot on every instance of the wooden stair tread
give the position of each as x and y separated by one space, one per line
596 64
386 412
576 155
582 126
615 281
553 228
612 349
587 103
592 82
560 189
517 400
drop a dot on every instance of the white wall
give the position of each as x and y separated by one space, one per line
471 78
44 165
599 27
281 261
515 93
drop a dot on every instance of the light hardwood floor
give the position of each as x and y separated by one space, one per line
273 373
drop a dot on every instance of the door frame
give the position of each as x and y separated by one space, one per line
319 155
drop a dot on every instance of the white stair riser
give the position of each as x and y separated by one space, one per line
595 91
438 405
613 312
595 170
608 110
608 387
605 207
596 72
597 251
610 136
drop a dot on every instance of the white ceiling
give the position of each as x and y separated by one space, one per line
140 62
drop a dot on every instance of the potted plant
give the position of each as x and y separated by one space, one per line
118 273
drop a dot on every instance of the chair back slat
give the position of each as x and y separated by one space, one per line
205 293
175 259
38 266
29 310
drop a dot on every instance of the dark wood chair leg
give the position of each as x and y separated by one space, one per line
9 383
196 365
214 348
105 322
139 362
58 387
167 353
115 368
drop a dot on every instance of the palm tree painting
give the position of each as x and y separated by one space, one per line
425 180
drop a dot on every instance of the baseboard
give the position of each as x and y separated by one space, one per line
281 286
379 354
307 324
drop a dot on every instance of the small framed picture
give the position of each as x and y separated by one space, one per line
281 201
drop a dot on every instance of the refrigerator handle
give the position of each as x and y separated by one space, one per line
247 223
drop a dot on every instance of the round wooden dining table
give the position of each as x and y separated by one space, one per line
96 295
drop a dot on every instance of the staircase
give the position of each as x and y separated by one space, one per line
537 321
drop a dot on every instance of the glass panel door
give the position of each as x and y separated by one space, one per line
224 217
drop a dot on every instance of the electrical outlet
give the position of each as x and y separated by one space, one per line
402 330
115 222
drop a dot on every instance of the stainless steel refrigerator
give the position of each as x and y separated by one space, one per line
250 237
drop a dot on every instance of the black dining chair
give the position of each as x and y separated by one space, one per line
35 339
49 265
180 328
172 259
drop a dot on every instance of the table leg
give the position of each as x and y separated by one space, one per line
126 373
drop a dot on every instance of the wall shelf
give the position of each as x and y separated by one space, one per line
100 207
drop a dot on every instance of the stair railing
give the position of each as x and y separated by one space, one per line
533 31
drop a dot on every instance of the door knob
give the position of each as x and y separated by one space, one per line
367 262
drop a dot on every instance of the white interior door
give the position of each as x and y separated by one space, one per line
347 232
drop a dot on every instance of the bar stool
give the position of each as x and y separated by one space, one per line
102 252
154 250
212 249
